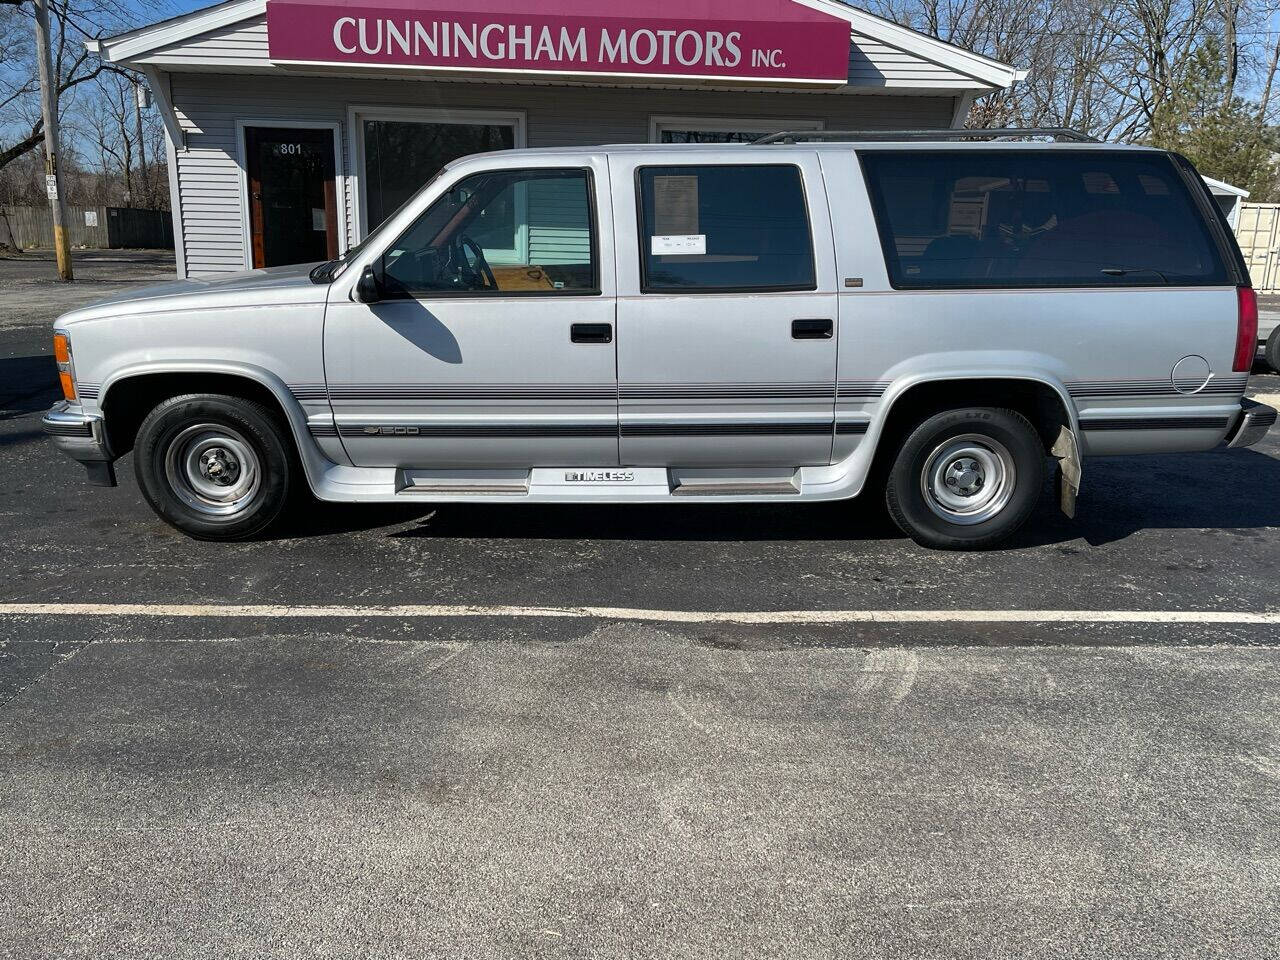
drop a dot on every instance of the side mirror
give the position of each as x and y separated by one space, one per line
368 289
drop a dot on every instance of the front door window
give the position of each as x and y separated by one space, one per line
293 199
499 233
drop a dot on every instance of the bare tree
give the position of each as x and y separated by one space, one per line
1104 66
71 23
110 126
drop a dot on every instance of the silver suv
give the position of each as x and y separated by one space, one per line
792 320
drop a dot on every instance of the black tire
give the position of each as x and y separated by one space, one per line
970 447
194 449
1272 350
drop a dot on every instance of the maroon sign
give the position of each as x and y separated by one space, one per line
779 40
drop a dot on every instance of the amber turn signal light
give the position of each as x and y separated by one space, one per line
62 354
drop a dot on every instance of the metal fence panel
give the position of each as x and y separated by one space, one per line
131 227
1258 233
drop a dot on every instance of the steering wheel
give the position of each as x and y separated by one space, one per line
481 267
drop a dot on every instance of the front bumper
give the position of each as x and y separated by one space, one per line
1255 420
82 437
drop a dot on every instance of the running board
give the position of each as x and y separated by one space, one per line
687 482
450 483
734 489
615 483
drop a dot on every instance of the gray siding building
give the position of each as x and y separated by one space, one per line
289 148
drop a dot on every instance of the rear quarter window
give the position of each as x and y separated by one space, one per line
974 219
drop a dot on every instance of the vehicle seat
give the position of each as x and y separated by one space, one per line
959 257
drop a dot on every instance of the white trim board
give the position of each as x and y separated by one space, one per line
1222 188
242 161
144 40
922 45
175 140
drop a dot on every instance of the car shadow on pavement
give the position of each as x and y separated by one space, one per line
27 385
1220 490
16 437
861 519
654 522
1227 489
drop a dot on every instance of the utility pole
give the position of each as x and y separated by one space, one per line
49 107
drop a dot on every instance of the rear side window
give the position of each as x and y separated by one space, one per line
1038 219
724 228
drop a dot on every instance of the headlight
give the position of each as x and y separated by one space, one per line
66 373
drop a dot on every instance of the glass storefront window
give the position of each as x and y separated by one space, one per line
722 129
709 136
401 155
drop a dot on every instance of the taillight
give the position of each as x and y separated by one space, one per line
1246 330
62 354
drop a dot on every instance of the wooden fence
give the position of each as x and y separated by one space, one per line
101 228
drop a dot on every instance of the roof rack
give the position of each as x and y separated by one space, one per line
995 133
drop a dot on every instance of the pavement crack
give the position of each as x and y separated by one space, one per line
64 651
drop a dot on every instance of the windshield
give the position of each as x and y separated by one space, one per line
329 272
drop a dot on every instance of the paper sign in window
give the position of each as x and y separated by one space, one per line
675 206
686 245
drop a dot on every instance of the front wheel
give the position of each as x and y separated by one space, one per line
216 467
966 479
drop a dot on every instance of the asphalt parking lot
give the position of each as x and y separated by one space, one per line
633 732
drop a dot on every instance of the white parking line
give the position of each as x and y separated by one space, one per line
756 617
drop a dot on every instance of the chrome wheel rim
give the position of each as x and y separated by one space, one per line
968 479
213 470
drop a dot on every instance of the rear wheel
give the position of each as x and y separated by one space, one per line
966 479
216 467
1272 352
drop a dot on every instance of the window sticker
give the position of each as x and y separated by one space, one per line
675 205
686 245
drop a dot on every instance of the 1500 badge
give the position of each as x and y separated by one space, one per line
599 476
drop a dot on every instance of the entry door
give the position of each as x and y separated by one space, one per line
469 362
293 199
726 314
